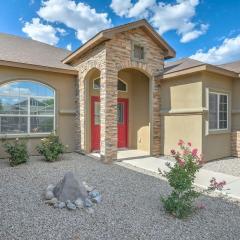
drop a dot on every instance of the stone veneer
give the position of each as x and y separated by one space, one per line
235 141
109 58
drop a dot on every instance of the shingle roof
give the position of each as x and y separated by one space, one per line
181 64
232 66
27 51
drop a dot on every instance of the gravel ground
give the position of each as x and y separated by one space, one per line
229 166
130 209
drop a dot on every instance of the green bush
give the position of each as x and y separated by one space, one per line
17 151
181 178
51 148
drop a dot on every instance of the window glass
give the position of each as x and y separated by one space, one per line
97 113
21 102
96 83
213 111
120 109
13 105
122 86
13 125
41 124
41 106
138 52
218 111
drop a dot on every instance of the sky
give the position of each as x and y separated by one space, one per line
205 30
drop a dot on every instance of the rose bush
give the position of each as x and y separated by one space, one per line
51 148
17 151
181 176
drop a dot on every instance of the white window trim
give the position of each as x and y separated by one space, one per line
118 90
29 133
218 99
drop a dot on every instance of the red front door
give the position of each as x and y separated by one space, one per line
122 111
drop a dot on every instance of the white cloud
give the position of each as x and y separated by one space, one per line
121 7
127 9
69 47
228 51
41 32
78 16
165 17
189 36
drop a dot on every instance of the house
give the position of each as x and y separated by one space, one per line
117 92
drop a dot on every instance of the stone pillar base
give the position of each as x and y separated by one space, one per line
235 143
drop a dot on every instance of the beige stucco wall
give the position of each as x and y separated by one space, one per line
181 111
236 104
64 86
216 144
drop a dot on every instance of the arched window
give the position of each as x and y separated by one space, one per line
122 86
26 107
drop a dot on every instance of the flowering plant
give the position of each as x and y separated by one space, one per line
51 148
17 151
181 178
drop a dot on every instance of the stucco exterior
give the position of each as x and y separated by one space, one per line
64 86
166 101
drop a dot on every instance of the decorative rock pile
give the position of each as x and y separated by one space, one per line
71 194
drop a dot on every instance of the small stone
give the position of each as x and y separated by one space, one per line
50 187
49 195
90 210
51 201
71 206
97 199
94 194
79 203
62 205
87 187
88 203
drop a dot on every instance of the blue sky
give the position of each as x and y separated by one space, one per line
207 30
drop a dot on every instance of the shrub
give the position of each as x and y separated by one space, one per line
17 151
181 178
51 148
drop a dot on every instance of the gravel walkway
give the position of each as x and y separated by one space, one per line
229 166
131 208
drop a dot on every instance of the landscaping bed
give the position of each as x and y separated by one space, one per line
130 207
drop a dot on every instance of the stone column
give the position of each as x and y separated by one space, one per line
108 98
156 127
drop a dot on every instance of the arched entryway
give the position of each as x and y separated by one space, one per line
92 110
134 110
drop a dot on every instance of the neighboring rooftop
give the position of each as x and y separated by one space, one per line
232 66
26 51
185 64
181 64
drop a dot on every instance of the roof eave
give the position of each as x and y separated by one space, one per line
204 67
37 67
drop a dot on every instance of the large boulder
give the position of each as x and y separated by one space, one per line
69 189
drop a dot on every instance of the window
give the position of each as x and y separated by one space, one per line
138 52
26 107
122 86
218 111
96 84
120 108
97 113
